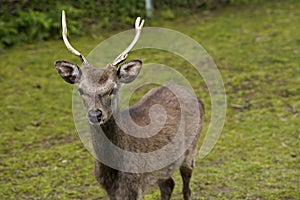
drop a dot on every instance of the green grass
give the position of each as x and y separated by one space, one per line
257 50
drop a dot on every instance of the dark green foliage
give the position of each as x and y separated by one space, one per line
192 4
37 20
29 21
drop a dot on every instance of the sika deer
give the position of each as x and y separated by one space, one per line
182 114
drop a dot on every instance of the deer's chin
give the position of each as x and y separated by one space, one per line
96 123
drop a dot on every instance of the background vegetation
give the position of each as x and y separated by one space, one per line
36 20
256 47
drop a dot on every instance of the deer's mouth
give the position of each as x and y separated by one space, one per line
95 122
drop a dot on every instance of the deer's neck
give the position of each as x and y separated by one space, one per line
113 132
109 131
105 139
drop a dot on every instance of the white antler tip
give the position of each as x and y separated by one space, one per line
63 22
142 24
63 15
138 23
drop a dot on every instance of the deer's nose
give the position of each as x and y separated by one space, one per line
95 116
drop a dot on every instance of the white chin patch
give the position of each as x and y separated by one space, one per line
98 123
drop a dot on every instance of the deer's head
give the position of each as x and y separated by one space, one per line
99 87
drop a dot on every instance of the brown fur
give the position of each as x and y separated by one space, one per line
133 185
96 94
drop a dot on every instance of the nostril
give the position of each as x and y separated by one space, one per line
95 115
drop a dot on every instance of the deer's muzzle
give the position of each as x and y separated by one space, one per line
95 116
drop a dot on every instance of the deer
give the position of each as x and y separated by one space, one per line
99 92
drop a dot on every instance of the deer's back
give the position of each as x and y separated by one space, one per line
162 114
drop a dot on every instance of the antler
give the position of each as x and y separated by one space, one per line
124 54
65 38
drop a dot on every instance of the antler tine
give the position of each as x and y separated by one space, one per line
65 38
124 54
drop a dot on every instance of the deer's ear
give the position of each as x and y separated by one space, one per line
129 71
70 72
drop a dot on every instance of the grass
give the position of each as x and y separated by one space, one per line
257 50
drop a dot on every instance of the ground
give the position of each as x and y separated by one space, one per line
256 49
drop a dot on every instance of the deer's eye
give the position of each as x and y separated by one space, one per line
80 91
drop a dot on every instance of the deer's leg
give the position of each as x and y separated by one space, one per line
186 171
166 188
126 194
